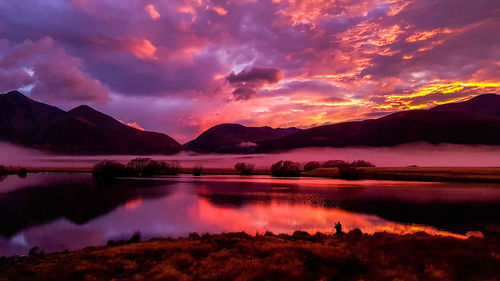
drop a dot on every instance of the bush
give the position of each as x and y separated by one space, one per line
285 169
197 169
311 165
244 168
335 164
361 163
149 167
348 173
141 166
3 170
109 169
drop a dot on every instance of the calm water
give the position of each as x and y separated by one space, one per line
70 211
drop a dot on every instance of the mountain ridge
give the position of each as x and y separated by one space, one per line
81 130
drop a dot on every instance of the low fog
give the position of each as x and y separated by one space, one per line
420 154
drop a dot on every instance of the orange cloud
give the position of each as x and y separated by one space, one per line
142 48
151 10
219 10
424 35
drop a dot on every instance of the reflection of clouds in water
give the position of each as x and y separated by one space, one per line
218 204
420 154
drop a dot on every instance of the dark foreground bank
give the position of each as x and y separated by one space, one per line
237 256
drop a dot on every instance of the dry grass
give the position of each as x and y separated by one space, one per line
463 174
238 256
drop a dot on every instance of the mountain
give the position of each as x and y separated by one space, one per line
461 123
235 138
81 130
21 117
488 104
403 127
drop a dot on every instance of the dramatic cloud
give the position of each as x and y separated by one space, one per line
182 66
51 74
248 81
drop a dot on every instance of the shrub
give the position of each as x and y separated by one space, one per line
197 169
285 169
141 166
335 164
3 170
149 167
348 173
311 165
361 163
244 168
109 169
356 231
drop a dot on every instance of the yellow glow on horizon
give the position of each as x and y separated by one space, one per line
403 101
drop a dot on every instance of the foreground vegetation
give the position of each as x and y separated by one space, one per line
300 256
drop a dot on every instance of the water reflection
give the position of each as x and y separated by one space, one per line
71 211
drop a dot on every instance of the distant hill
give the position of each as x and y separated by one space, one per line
430 126
229 138
488 104
81 130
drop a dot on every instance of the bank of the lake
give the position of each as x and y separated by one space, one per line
238 256
423 174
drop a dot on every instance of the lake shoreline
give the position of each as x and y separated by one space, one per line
300 256
417 174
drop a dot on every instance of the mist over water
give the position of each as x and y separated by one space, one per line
420 154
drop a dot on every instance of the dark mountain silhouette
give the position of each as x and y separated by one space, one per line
21 117
488 104
461 123
235 137
403 127
81 130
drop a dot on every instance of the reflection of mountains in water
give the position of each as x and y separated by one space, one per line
79 201
454 216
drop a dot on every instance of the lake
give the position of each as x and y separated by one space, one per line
58 211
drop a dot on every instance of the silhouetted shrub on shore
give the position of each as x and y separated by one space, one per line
348 173
3 170
109 169
197 169
335 164
244 168
361 163
311 165
135 167
285 169
356 231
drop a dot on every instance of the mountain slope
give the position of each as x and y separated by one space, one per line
488 104
470 126
21 117
82 130
236 137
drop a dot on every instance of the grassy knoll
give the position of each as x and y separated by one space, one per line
238 256
460 174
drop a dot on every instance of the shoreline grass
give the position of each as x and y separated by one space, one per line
427 174
301 256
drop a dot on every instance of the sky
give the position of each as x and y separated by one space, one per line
182 66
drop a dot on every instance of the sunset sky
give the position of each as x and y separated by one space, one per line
182 66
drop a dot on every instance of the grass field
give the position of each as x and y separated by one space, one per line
238 256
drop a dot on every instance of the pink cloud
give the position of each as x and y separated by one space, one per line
151 10
55 76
